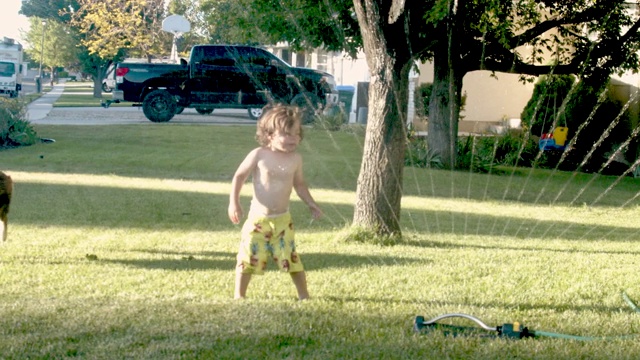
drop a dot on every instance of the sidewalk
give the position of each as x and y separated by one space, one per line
39 108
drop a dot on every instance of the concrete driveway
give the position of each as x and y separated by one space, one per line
41 111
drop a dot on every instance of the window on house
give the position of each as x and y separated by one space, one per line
322 60
286 56
300 59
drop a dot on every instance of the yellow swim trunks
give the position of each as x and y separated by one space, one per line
264 237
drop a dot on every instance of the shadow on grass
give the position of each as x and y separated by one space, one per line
212 260
450 245
427 304
90 207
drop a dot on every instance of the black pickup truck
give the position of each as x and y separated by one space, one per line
222 76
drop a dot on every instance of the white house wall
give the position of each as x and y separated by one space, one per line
348 71
490 100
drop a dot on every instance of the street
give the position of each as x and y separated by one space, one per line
41 111
134 115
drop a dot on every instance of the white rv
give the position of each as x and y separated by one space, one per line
11 67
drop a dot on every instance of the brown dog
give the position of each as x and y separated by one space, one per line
6 188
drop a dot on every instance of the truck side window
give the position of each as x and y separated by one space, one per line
257 60
223 62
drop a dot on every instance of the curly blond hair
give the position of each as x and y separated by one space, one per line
277 117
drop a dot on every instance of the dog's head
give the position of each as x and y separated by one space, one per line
6 185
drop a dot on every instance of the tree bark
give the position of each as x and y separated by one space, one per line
444 111
444 105
379 190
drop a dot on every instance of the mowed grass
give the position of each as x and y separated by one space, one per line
120 247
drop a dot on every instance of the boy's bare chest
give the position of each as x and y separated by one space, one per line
282 168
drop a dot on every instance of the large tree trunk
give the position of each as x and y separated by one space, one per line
379 188
101 72
444 111
97 87
444 105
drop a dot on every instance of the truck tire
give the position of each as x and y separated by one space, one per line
159 106
106 88
309 103
204 111
254 113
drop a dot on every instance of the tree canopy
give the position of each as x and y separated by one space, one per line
106 30
112 25
52 42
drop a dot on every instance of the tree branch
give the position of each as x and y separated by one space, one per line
592 13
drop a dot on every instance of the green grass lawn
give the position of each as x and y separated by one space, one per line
120 247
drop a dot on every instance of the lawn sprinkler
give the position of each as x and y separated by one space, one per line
508 330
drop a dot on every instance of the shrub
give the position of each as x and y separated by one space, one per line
476 153
610 117
331 120
15 129
422 96
543 107
418 154
513 148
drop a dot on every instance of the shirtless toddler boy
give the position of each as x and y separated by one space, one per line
276 169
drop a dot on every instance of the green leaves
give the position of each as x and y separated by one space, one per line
15 129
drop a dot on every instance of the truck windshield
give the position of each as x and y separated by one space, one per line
7 68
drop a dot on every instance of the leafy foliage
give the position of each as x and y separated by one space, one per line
15 129
66 13
482 153
303 24
422 95
331 120
53 42
111 25
418 153
476 153
597 122
544 110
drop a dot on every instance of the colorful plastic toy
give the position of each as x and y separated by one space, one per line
554 141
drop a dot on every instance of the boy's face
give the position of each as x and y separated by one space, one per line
285 141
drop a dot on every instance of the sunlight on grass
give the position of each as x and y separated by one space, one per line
583 215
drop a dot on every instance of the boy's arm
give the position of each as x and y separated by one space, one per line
242 173
300 185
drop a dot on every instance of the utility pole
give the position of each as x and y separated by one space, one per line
39 82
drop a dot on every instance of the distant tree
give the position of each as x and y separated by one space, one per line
107 30
193 12
229 22
61 11
49 9
111 25
60 44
